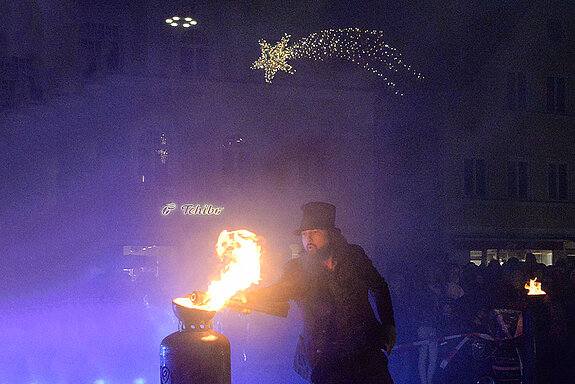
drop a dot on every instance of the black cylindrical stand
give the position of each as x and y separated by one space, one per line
200 356
196 354
532 316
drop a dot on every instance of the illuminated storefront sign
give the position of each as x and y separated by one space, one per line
192 209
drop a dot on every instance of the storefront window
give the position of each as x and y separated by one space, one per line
502 255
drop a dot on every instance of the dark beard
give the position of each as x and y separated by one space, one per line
322 254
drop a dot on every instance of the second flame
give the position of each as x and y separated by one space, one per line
534 287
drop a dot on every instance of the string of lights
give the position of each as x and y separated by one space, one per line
364 48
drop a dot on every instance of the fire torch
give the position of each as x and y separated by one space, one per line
196 353
531 318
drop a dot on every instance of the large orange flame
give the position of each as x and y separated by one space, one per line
534 287
240 252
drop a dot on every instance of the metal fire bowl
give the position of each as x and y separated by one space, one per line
191 316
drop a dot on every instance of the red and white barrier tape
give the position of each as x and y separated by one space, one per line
466 338
438 340
454 352
447 338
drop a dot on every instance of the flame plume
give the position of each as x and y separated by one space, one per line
240 251
534 288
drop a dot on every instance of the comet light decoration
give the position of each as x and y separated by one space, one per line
364 48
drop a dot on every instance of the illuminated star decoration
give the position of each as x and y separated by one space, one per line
364 48
163 151
274 58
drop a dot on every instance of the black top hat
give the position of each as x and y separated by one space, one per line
317 215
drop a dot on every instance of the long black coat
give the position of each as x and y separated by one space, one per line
337 315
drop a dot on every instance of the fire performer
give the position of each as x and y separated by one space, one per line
342 339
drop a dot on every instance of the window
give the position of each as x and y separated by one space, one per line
557 181
475 172
517 179
543 256
516 91
556 94
476 257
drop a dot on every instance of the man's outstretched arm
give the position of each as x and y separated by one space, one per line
288 287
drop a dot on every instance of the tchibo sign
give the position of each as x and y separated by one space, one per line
192 209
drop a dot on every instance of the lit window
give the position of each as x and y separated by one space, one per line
476 257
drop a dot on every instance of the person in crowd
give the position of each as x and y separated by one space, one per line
403 366
530 265
569 302
475 303
430 295
453 290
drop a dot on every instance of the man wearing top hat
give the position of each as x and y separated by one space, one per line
342 339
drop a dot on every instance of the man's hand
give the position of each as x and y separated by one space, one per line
389 337
243 299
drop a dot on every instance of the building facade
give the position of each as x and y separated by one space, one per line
507 157
473 163
133 113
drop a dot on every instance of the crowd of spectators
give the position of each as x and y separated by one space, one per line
451 299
